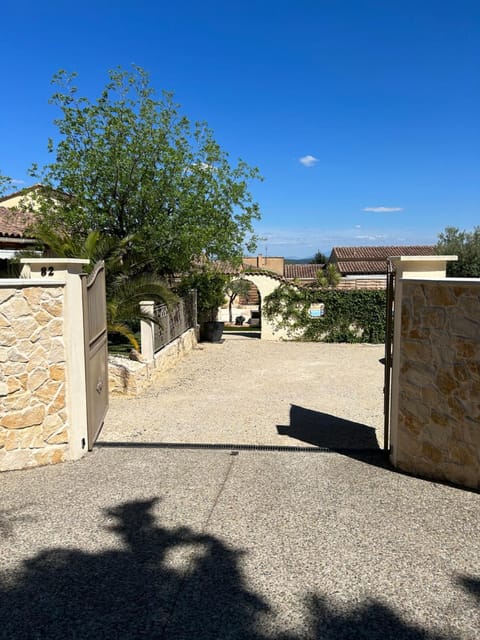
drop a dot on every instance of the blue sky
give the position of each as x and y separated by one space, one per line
362 115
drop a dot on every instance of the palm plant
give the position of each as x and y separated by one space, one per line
124 295
94 247
127 284
329 277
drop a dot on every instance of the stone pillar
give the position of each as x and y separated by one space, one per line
407 268
147 330
34 424
193 293
69 270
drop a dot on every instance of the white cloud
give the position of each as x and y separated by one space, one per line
383 209
372 237
18 182
308 161
304 242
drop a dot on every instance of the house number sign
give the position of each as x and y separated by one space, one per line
47 271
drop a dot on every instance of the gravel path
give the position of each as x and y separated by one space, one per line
248 391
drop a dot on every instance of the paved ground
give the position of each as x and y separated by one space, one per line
141 541
155 543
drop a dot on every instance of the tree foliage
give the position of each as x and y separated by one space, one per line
349 315
210 286
319 258
133 164
464 244
5 183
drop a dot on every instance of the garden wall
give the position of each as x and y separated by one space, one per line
437 431
132 378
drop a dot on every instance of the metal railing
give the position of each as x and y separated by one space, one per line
167 323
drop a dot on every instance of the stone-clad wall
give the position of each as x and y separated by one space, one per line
439 384
33 414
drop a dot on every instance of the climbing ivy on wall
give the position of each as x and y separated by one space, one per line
350 315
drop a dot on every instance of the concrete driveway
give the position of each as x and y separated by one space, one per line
145 542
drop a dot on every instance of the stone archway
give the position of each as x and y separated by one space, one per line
265 284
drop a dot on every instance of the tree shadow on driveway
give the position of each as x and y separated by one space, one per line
136 589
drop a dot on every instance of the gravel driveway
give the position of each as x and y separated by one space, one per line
248 391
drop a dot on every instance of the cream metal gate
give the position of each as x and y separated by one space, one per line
96 350
388 356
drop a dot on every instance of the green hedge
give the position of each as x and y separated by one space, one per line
350 315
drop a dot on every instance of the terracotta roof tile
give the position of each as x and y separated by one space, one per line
13 223
302 271
381 253
362 266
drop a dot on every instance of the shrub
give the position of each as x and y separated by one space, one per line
349 316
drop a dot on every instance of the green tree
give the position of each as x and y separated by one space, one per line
319 258
133 164
210 286
234 289
464 244
5 183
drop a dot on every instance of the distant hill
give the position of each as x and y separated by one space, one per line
299 260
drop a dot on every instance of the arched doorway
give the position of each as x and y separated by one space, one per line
242 304
265 285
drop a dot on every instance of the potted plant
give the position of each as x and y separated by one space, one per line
210 287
